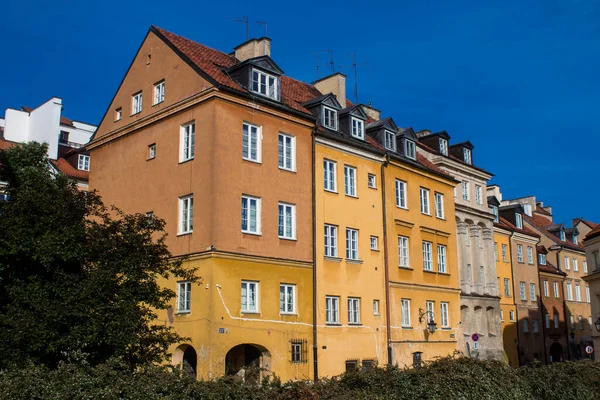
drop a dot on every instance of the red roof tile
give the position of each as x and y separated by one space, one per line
506 224
63 166
541 223
426 163
542 211
593 233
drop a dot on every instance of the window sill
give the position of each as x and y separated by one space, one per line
354 324
284 314
150 158
406 268
352 196
353 261
334 259
444 273
288 239
183 312
160 102
331 191
402 208
252 161
408 327
117 120
377 250
251 312
332 324
429 271
184 233
440 218
426 214
252 233
293 171
185 161
446 328
376 315
373 187
134 114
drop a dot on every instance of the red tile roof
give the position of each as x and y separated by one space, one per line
541 223
593 233
542 211
63 166
506 224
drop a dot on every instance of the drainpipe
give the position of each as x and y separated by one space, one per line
510 242
567 321
314 222
541 304
385 264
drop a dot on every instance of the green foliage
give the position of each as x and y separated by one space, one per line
78 282
447 378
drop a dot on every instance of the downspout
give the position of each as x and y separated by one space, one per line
314 241
564 297
541 304
510 242
388 327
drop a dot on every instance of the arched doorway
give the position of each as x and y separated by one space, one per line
186 357
247 361
556 352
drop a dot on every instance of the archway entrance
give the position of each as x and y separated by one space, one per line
186 356
556 352
246 361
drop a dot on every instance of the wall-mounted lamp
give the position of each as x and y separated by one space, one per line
431 325
597 324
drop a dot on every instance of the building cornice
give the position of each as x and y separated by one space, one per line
474 211
227 255
332 144
456 166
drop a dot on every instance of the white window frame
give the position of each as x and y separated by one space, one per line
424 201
257 222
577 292
495 212
546 289
329 175
247 308
587 293
401 198
511 315
467 156
504 253
350 181
478 194
403 252
357 127
443 147
522 290
83 162
575 265
555 289
429 311
530 254
353 310
405 312
585 268
389 140
465 190
186 215
520 253
152 151
283 223
542 259
351 244
519 220
376 307
330 237
287 297
567 266
159 92
374 242
562 235
333 116
569 291
270 90
118 114
507 287
187 141
444 315
372 181
248 132
441 255
532 295
332 309
136 103
285 142
184 297
427 256
410 149
439 205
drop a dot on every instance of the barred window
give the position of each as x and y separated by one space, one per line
351 365
299 350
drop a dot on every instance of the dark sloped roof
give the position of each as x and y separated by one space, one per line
541 223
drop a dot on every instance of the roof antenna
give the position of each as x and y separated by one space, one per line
244 20
354 65
331 65
266 27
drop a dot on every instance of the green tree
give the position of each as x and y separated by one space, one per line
77 281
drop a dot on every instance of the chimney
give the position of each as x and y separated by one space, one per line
334 83
422 133
494 190
371 112
253 48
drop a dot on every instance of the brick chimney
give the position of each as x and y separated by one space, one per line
253 48
334 83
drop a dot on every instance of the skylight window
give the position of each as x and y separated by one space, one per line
467 155
562 235
265 84
519 220
410 149
390 142
443 147
358 128
330 118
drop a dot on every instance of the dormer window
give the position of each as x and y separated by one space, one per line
467 156
390 140
358 128
264 84
495 212
562 235
330 118
410 149
542 258
443 147
575 241
519 220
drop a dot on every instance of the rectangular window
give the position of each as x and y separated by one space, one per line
429 311
569 291
187 140
556 321
587 293
287 299
375 307
542 259
467 156
287 152
351 244
520 253
390 141
332 309
372 181
575 265
330 118
443 147
495 212
118 114
530 254
353 310
358 128
350 180
405 303
251 142
585 266
424 196
555 289
504 253
136 103
331 241
374 243
502 315
496 251
519 220
159 92
439 205
465 190
186 214
567 266
511 315
444 315
184 296
572 321
580 322
441 253
410 149
477 194
250 214
522 289
329 179
264 84
546 289
526 325
596 256
532 291
401 194
577 292
287 221
427 256
297 351
507 287
403 252
249 296
536 326
152 151
83 162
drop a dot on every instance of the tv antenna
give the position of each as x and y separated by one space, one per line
331 64
266 27
244 20
354 65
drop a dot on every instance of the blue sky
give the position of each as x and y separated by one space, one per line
519 79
